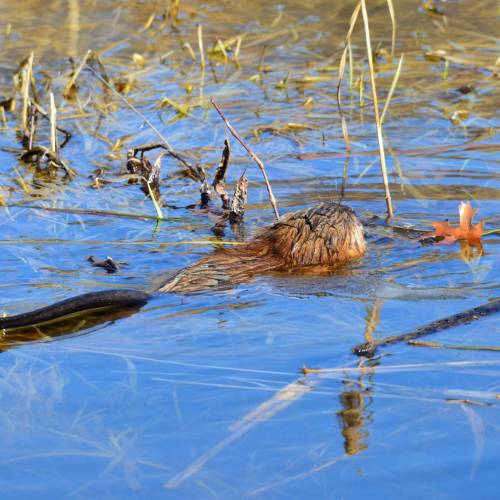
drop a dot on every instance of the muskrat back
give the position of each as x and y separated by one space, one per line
325 235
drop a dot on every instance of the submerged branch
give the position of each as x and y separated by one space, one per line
462 318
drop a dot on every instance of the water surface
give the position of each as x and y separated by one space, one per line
201 396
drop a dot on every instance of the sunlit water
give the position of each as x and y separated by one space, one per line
201 396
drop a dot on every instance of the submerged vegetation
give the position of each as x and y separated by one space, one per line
137 135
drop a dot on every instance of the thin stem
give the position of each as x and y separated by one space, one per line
392 89
53 125
200 46
26 91
254 157
378 123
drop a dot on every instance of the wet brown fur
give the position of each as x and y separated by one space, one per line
322 236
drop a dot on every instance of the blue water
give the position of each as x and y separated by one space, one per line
202 396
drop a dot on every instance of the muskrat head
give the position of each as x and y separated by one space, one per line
324 235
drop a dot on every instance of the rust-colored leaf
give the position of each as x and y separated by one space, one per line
465 230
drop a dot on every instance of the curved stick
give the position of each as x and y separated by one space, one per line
465 317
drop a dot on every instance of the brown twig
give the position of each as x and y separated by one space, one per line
195 171
254 157
464 317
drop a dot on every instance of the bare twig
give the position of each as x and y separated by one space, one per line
254 157
465 317
195 171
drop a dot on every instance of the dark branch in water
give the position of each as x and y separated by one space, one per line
219 183
239 200
195 171
463 318
204 195
40 154
109 264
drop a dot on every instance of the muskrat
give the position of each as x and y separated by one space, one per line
322 236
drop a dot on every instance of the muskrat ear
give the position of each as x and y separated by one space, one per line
323 235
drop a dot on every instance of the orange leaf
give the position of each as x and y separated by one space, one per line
465 231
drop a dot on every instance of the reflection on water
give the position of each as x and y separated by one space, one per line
82 322
355 416
198 396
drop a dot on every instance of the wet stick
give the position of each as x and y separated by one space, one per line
462 318
254 157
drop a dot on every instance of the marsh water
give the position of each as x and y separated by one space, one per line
202 396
